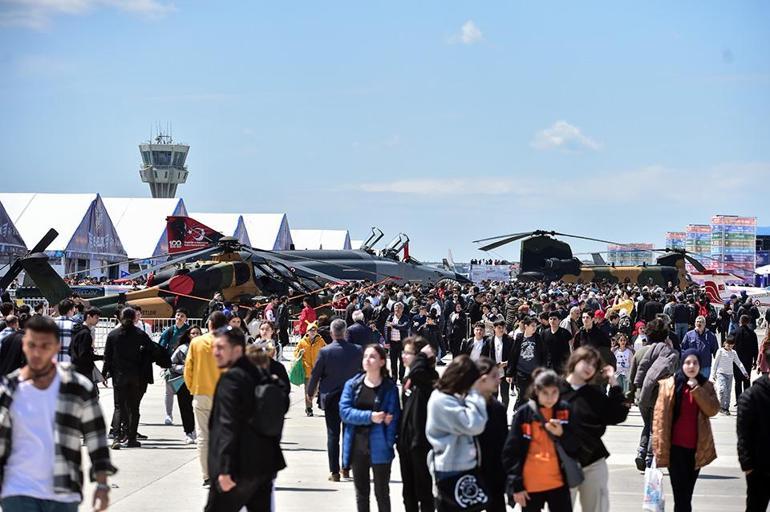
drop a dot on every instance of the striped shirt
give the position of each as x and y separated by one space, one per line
78 416
66 325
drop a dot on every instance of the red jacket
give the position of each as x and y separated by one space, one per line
307 316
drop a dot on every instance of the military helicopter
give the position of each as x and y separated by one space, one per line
543 257
204 262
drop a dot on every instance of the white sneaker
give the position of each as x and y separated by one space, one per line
189 439
169 420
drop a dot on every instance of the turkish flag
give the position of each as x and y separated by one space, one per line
186 234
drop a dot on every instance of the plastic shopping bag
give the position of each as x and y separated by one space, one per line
297 373
654 498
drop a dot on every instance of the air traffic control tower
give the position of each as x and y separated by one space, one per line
163 165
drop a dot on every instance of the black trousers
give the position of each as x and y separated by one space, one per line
757 491
505 392
117 427
184 401
418 484
254 493
522 385
130 391
558 500
645 439
396 348
361 463
741 382
496 503
681 470
333 430
283 337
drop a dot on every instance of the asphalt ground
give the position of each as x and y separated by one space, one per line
164 475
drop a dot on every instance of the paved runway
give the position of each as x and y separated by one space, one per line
164 474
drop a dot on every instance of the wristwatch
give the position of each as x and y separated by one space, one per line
103 487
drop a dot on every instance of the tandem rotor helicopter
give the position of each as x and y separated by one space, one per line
543 257
204 262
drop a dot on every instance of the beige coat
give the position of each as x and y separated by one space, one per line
663 419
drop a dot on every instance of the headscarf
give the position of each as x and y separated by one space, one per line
680 380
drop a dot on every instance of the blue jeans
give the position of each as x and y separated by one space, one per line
680 330
28 504
705 371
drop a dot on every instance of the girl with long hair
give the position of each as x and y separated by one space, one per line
369 409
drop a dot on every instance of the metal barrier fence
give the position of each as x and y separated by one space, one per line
158 325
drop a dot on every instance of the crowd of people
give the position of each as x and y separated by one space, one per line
425 373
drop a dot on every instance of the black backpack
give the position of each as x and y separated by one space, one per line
270 404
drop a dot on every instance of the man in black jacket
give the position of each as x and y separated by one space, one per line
528 353
590 335
413 446
498 349
283 326
82 354
432 332
747 348
242 462
753 426
556 340
125 354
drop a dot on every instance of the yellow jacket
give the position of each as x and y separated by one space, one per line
311 348
200 368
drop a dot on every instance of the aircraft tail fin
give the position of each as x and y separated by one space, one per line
187 234
50 284
598 260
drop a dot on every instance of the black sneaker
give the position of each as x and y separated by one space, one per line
309 412
133 443
440 363
640 464
207 483
115 445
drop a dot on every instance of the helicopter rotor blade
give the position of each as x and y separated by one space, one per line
298 268
180 259
522 235
17 267
504 241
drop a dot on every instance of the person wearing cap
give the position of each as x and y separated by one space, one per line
682 439
310 346
432 333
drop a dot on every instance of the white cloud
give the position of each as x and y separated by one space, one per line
469 34
653 184
562 135
444 187
37 14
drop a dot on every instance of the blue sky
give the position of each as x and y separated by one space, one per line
450 121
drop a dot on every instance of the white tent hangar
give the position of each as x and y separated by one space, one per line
269 231
11 242
229 224
87 238
328 239
141 223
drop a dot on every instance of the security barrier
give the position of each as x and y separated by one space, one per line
158 325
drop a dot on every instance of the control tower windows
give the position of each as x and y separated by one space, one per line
161 158
179 158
